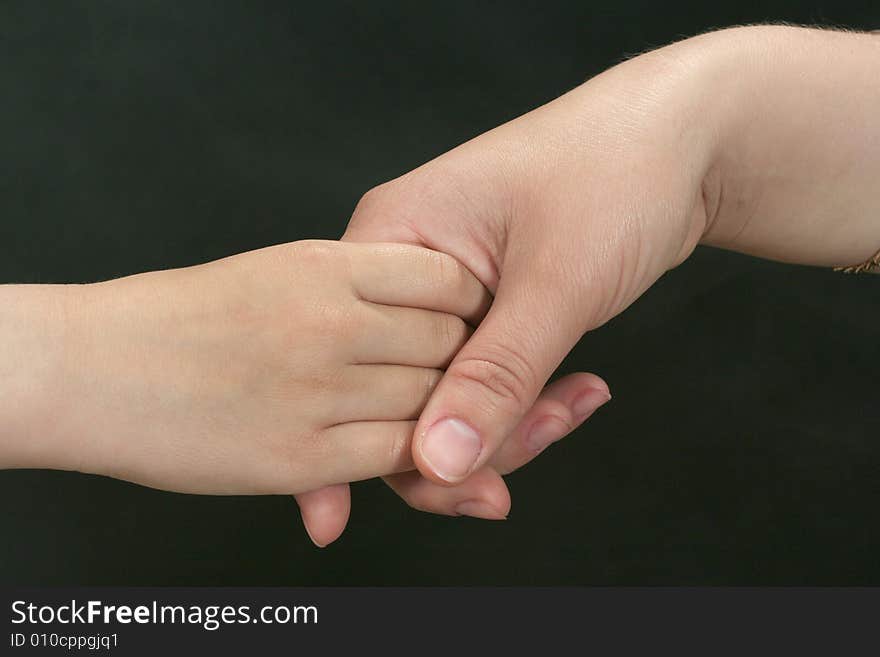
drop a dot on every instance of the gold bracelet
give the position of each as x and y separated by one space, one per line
869 265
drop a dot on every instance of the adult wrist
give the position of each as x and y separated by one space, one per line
686 94
794 148
715 70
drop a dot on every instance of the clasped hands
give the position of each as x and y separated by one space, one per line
419 346
294 368
281 371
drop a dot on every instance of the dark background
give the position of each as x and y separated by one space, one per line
741 444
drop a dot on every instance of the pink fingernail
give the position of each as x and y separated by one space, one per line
451 448
479 509
320 545
546 431
587 403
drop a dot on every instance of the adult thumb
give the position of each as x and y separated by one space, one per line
494 381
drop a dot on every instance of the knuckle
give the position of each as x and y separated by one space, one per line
451 331
318 254
402 198
429 383
293 460
399 448
373 201
316 265
317 335
503 375
420 392
339 321
441 269
447 273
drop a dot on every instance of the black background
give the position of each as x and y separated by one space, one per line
741 443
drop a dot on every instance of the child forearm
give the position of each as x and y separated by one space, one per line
33 326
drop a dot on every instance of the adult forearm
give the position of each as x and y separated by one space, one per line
797 165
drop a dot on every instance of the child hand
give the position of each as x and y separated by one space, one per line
276 371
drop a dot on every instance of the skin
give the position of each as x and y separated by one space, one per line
271 372
260 373
763 140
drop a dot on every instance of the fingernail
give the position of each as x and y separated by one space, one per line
451 448
546 431
587 403
479 509
320 545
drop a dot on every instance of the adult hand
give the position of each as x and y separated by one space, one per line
567 214
758 139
